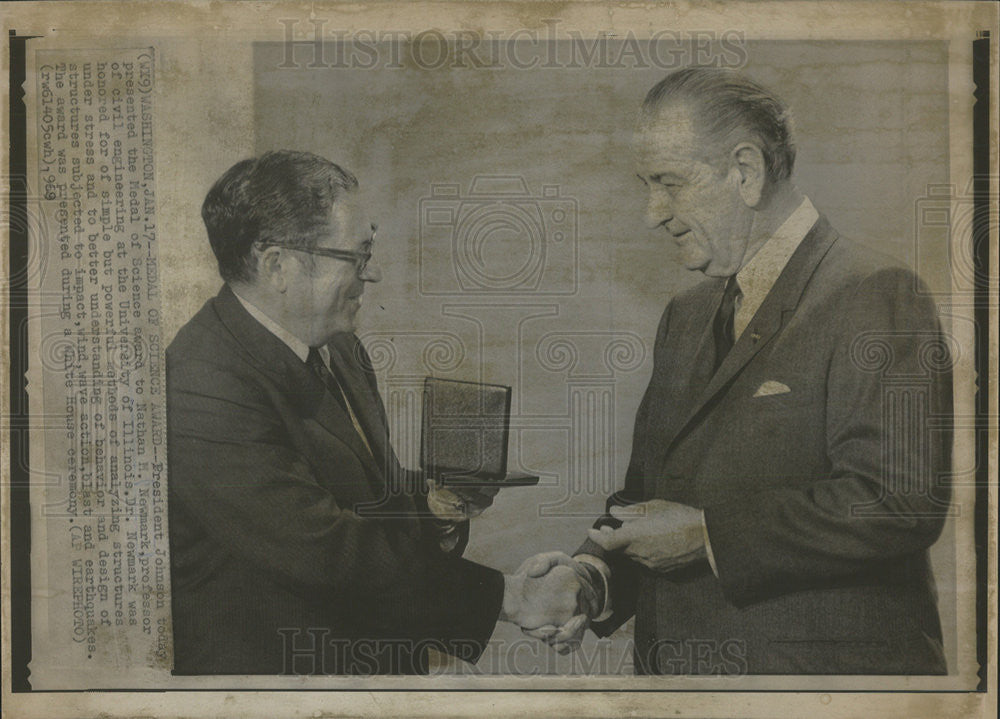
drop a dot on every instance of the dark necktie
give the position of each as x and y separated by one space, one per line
722 328
319 368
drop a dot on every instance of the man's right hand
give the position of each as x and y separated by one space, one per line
567 636
543 597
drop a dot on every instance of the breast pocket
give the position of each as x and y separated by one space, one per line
783 391
778 431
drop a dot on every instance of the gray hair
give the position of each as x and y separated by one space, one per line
723 102
281 196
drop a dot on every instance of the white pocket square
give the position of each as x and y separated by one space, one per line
771 387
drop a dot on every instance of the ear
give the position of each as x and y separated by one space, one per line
748 161
271 269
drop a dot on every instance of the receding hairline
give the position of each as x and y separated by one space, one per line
652 117
727 108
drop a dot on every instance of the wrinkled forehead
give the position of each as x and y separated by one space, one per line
668 134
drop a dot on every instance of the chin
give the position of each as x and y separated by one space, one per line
713 272
717 269
698 264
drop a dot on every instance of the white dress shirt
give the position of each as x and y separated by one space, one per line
758 276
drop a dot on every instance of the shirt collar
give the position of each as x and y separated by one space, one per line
759 274
300 348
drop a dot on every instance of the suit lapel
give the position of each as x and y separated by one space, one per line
353 368
331 415
298 383
777 307
689 371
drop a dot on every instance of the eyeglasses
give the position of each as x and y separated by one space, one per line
360 259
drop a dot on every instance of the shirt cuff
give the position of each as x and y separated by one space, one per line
605 571
708 546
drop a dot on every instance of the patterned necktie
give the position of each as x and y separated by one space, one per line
722 327
319 368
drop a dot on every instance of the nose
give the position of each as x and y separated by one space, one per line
372 272
658 209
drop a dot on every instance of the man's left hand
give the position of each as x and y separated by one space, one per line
457 504
658 534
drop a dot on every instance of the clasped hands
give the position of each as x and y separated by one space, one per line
554 597
658 534
549 594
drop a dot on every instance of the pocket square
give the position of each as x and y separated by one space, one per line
771 387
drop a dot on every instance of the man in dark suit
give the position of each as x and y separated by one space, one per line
786 478
298 544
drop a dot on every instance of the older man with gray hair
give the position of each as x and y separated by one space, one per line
784 485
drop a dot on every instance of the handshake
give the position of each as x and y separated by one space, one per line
553 597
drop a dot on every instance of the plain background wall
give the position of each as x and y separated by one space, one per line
871 121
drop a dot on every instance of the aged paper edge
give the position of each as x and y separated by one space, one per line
91 21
